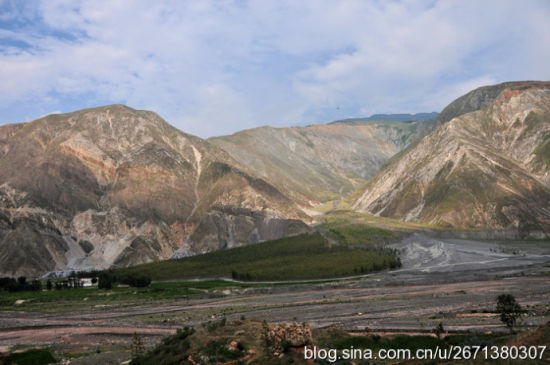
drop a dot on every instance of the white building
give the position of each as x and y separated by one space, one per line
86 282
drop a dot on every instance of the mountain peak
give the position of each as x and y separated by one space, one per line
482 97
113 185
108 115
484 167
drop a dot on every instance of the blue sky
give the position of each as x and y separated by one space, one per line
215 67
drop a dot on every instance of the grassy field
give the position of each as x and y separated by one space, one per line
357 234
299 258
92 296
303 257
348 216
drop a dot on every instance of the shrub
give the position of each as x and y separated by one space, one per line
105 280
136 280
21 284
172 350
211 326
439 329
31 357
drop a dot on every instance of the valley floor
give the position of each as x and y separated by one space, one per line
454 282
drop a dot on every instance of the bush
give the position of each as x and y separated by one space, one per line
439 329
9 284
105 280
136 280
21 284
31 357
211 326
21 281
88 274
172 350
217 351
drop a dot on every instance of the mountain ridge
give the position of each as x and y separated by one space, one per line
116 186
317 163
478 170
392 117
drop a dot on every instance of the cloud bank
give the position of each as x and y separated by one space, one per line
215 67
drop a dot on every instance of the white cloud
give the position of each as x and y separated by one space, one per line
219 110
446 94
411 56
213 67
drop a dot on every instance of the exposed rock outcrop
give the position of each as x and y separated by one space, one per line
278 337
117 186
319 162
486 169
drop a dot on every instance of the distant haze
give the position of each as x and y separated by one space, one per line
400 117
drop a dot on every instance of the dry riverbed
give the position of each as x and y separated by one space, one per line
450 281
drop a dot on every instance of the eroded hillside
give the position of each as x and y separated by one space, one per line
320 162
485 169
117 186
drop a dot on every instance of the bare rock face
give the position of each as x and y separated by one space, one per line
227 227
114 186
278 337
487 168
477 99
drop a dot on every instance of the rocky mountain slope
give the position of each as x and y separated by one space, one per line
114 186
118 186
484 167
319 162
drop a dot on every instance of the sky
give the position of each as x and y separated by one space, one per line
215 67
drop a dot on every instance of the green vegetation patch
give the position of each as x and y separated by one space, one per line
542 152
347 216
307 256
30 357
355 233
172 350
70 298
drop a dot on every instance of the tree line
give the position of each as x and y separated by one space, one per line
105 280
19 284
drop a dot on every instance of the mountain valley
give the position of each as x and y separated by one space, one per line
114 187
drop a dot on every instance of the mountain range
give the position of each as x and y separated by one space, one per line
399 117
114 186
